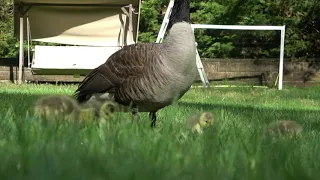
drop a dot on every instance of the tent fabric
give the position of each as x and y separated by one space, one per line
80 25
113 2
70 57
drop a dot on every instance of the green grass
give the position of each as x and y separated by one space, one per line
234 149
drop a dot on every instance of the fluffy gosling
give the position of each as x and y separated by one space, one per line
97 100
284 128
104 108
107 111
198 121
56 106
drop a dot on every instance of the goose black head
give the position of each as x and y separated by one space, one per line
180 12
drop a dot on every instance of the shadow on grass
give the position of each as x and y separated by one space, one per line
308 118
20 103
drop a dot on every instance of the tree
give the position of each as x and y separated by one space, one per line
151 19
300 17
302 20
8 44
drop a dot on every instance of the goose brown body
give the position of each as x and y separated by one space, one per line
149 76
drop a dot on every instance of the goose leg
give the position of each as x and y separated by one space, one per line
135 115
153 118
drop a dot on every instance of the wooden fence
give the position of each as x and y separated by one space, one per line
219 71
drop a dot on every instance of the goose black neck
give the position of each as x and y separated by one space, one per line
180 12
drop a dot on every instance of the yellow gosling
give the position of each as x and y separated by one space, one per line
284 128
199 121
55 107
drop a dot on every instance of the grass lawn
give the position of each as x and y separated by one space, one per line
234 149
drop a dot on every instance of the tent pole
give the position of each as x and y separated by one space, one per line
283 34
21 54
138 23
28 35
129 31
122 32
122 26
130 23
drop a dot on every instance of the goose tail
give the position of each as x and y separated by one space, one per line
95 82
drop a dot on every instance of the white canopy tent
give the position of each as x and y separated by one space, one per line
97 27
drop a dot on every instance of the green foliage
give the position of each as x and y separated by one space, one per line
300 17
8 44
150 19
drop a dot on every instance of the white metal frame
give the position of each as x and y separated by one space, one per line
165 22
261 28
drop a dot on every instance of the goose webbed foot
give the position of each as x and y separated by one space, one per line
153 118
135 115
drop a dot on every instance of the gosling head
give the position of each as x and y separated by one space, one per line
107 110
199 121
206 119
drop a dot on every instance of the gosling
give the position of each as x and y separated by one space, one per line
284 128
199 121
56 107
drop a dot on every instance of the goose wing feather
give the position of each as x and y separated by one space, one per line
127 62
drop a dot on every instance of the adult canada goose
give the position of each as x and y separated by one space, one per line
148 76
